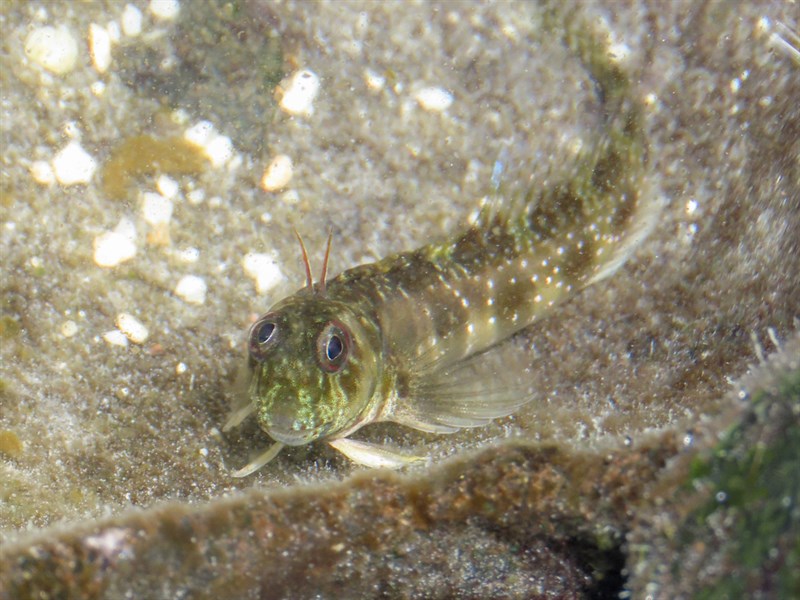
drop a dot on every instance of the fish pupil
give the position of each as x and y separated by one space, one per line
265 333
335 347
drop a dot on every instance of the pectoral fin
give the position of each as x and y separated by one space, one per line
259 461
239 415
373 455
469 393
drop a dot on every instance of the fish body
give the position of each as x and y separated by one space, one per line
396 340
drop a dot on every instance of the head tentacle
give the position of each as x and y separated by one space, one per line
307 264
309 280
324 275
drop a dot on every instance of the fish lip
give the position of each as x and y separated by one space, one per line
297 438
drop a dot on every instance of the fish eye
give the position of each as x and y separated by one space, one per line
263 336
333 347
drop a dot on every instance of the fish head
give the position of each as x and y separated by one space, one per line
315 367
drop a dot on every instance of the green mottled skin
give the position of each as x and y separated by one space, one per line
417 314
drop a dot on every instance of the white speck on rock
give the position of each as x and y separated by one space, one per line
116 338
374 81
188 255
42 173
278 173
69 328
99 47
619 51
110 543
115 247
156 209
167 186
200 133
164 9
131 21
263 269
434 99
73 165
114 32
55 49
132 327
300 93
217 148
191 289
195 197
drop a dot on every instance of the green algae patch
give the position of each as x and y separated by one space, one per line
9 327
146 155
753 489
10 444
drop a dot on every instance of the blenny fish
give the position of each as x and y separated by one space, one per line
395 340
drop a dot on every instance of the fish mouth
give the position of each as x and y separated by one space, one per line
292 438
293 433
